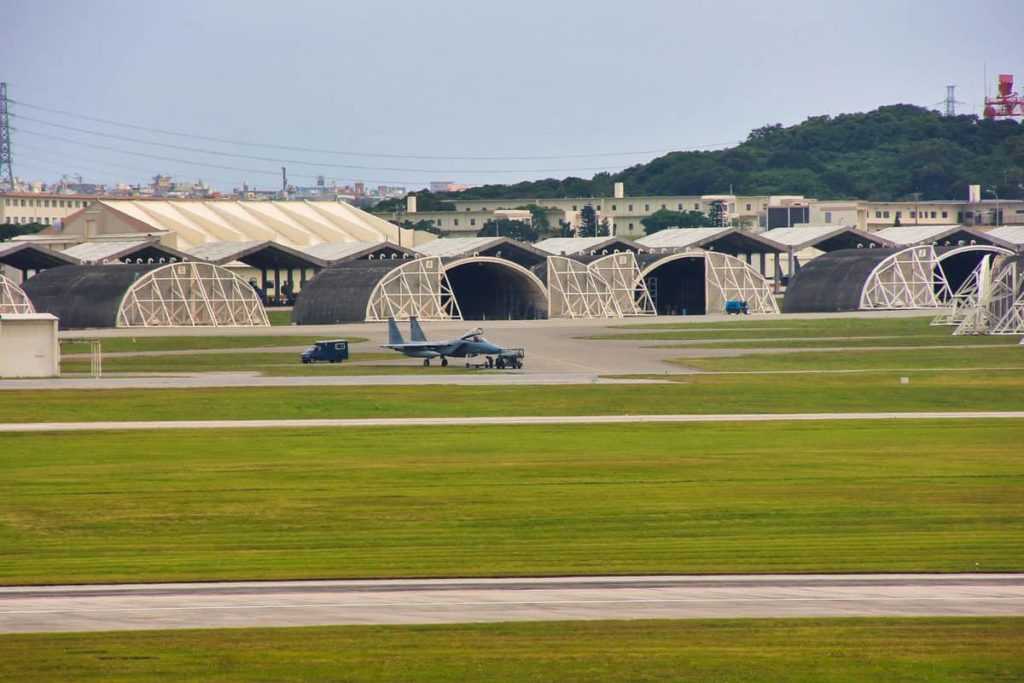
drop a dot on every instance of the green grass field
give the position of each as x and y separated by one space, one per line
782 393
775 326
994 358
783 651
517 500
271 364
279 317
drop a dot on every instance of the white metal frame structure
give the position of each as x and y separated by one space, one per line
191 294
726 278
1007 302
571 291
13 298
415 288
965 298
910 278
623 291
609 287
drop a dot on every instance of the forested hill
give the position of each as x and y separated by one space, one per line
890 153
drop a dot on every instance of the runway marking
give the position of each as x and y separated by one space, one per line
483 421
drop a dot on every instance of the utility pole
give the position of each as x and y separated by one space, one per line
6 169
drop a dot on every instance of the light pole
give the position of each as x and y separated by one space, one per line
997 219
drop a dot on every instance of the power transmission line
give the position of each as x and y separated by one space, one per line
299 162
195 163
380 155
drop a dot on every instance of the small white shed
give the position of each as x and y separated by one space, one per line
29 346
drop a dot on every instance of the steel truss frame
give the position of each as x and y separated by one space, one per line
1007 303
910 278
417 288
191 294
730 278
13 299
623 292
965 299
610 287
572 292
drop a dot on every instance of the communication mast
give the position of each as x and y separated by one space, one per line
1008 104
951 101
6 170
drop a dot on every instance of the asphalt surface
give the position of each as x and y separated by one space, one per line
308 603
484 421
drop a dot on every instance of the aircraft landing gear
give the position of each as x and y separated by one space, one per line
444 362
500 363
426 362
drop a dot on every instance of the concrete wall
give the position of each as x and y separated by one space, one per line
29 346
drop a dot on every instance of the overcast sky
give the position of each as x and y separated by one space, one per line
465 79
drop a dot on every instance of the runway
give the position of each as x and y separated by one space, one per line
488 420
308 603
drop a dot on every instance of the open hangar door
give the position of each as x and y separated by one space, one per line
699 282
491 288
678 285
958 263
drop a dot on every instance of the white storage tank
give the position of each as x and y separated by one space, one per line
29 346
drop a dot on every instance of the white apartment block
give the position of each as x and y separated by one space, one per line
38 207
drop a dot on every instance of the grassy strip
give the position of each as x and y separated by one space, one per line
277 363
518 500
278 318
780 327
938 650
868 392
996 357
213 342
843 342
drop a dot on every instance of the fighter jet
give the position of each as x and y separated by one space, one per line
467 346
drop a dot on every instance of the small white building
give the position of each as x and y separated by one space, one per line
29 346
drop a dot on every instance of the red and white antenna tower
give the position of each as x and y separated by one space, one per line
1008 104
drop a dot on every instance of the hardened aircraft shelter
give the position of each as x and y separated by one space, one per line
472 278
188 294
694 282
375 290
490 278
13 299
991 300
917 277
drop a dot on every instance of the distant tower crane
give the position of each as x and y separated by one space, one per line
1008 104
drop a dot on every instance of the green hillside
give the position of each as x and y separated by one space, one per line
890 153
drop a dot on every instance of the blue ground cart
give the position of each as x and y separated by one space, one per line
736 306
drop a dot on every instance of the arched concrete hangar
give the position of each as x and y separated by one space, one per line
889 279
698 282
470 288
375 290
189 294
13 299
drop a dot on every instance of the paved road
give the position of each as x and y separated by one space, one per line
306 603
484 421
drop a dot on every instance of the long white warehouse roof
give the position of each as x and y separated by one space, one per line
296 224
